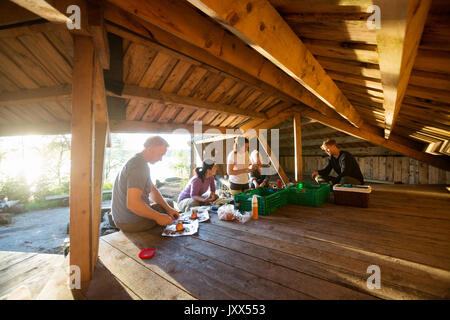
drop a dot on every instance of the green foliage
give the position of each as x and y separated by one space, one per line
39 205
16 189
181 163
107 185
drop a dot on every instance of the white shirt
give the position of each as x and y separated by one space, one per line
241 162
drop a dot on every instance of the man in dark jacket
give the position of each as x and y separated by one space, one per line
342 162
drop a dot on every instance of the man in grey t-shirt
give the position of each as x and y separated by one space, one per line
133 190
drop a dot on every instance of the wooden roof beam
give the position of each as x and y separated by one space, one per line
260 26
131 126
153 95
204 39
43 9
368 133
398 39
27 96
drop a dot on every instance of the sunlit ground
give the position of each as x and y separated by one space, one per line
26 155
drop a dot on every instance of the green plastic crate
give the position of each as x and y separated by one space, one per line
309 194
268 201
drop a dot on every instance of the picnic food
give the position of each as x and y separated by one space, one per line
194 215
180 226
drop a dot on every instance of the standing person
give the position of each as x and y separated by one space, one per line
256 178
342 162
238 166
133 190
193 194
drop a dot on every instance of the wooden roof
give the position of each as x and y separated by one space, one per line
177 70
337 35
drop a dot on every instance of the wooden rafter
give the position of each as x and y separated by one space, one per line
130 126
398 39
29 96
368 133
153 95
260 26
43 9
183 22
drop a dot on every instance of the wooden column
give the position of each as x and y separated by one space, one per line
100 133
81 178
274 159
298 147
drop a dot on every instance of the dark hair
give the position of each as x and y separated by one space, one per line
201 171
238 143
328 143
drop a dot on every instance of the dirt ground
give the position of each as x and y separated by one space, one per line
44 231
36 231
40 231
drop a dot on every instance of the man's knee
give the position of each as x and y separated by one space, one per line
349 180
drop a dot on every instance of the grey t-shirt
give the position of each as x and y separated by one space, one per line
134 174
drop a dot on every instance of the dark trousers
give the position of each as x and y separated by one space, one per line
343 180
252 186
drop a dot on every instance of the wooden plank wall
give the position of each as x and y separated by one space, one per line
390 169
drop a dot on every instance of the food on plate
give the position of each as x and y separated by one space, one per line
194 215
180 226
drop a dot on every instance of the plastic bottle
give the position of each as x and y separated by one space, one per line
255 207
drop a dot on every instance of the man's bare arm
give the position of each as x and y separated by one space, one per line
156 196
139 207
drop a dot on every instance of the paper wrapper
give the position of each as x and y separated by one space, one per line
202 214
190 228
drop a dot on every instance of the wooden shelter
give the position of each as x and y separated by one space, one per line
313 69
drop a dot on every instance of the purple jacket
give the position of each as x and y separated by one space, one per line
196 187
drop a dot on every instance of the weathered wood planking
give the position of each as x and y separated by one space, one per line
297 253
380 168
27 269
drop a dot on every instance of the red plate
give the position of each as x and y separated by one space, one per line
147 253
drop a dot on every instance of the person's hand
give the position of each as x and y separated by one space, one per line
315 174
173 214
263 184
256 184
163 219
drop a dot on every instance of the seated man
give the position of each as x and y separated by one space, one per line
133 189
343 163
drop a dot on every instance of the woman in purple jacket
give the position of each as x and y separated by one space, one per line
194 193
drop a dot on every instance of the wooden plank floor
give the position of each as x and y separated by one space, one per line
295 253
26 269
298 253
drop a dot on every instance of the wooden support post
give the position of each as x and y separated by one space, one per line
192 157
100 132
274 158
81 158
298 147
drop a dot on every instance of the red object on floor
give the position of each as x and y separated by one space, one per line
279 184
147 253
